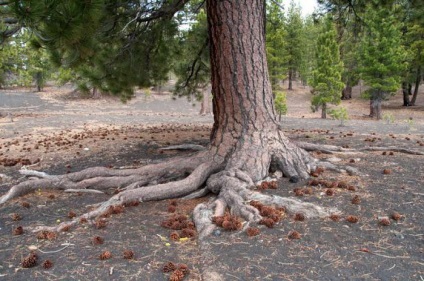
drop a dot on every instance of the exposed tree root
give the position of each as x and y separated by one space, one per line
229 174
392 148
101 178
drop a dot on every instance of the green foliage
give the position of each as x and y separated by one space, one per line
389 118
326 81
192 66
103 42
294 26
281 103
309 37
23 63
8 56
382 57
276 34
339 114
349 45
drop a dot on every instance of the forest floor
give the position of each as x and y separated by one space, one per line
60 133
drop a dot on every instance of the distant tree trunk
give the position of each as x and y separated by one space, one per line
96 93
406 90
205 106
39 81
417 85
324 111
375 105
290 79
347 92
372 113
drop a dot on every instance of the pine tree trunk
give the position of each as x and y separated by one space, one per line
372 112
376 101
324 111
243 106
205 106
290 79
242 90
406 89
347 92
417 85
96 94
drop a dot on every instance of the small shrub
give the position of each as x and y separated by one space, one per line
339 114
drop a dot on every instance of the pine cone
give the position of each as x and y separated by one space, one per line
169 267
184 268
30 260
177 275
16 217
252 231
105 255
294 235
47 264
128 254
18 230
352 219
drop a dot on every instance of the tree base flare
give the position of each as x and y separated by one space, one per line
231 176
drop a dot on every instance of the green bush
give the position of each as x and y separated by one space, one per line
280 103
339 114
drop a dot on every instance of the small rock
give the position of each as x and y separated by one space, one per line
217 232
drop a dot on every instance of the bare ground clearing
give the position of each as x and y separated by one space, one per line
69 134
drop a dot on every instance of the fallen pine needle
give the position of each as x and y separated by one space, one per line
51 252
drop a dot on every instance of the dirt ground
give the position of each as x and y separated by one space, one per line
58 133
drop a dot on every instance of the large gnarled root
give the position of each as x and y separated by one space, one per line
104 178
228 173
147 193
234 190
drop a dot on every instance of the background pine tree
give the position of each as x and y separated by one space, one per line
382 57
326 81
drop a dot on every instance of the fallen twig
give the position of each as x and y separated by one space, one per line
51 252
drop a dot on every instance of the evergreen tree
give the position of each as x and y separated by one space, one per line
293 41
326 81
276 52
309 37
113 46
246 141
381 56
413 41
348 52
192 64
